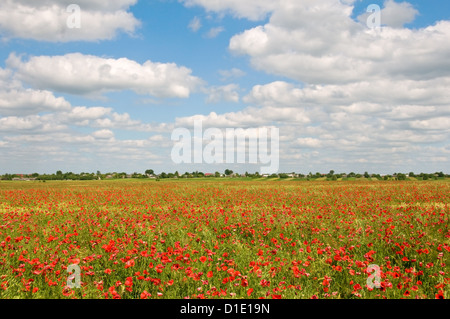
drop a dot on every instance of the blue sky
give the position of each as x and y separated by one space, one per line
107 96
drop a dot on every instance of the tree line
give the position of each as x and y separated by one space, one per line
228 173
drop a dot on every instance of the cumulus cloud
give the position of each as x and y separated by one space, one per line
77 73
16 100
384 92
320 43
30 123
250 9
47 20
394 14
30 101
110 5
227 93
103 134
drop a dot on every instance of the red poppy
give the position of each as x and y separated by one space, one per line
440 295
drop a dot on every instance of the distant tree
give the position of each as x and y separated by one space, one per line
228 172
366 175
149 172
217 174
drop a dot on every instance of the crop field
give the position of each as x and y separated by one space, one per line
225 239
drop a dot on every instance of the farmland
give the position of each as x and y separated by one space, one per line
225 239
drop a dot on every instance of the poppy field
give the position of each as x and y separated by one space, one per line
225 239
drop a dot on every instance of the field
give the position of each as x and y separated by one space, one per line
225 239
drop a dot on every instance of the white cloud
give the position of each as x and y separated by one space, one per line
440 123
231 74
214 32
46 20
103 134
195 24
394 14
319 43
16 100
77 73
309 142
251 9
88 113
110 5
226 93
28 101
383 94
31 123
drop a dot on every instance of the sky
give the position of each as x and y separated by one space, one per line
94 85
